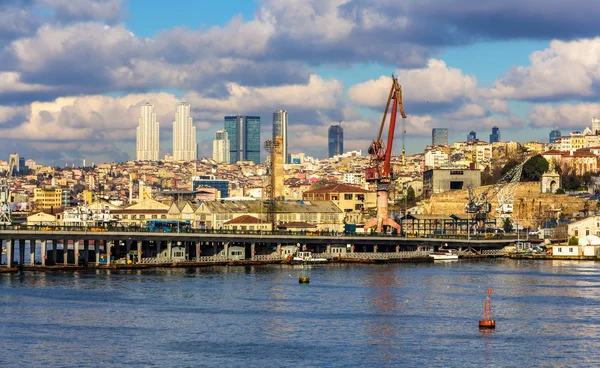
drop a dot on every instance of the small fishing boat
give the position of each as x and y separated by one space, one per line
444 255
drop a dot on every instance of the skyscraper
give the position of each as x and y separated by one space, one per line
495 136
244 138
221 146
472 136
439 136
184 134
336 140
596 126
147 135
554 134
280 123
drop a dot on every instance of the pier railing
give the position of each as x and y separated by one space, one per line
385 255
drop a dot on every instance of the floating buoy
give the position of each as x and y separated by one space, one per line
304 279
487 322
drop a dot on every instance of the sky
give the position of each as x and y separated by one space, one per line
74 73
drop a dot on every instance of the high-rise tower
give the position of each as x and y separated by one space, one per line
472 136
244 138
495 136
439 137
336 140
147 142
184 134
280 125
221 146
554 134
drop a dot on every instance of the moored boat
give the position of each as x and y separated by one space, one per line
307 257
444 255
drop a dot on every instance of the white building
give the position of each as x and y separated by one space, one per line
147 135
184 134
436 159
221 146
585 227
280 125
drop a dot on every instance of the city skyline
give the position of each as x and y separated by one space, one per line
321 61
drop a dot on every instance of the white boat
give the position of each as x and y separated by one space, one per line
444 255
307 257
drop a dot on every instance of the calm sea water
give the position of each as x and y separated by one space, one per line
547 314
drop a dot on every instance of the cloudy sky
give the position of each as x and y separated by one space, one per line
73 73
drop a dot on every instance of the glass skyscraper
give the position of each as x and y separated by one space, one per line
244 138
472 136
554 134
439 136
336 140
280 125
495 136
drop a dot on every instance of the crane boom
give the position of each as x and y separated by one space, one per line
380 169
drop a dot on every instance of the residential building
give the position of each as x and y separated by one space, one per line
221 147
495 136
184 134
443 180
472 136
436 158
439 137
48 198
280 126
352 200
244 138
336 140
147 142
554 134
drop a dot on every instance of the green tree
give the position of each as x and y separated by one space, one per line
573 240
507 225
534 168
410 195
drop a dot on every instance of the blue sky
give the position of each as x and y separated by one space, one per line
74 73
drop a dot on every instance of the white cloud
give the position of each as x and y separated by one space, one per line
318 93
564 70
574 116
10 82
435 83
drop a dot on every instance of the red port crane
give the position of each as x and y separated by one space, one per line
380 170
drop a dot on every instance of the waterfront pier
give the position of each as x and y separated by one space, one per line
82 248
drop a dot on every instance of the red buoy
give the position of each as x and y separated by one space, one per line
487 321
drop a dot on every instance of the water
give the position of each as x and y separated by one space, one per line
361 315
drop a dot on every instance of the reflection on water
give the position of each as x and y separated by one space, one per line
385 315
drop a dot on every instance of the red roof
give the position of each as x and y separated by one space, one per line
338 188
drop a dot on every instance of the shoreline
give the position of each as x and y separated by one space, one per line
193 264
